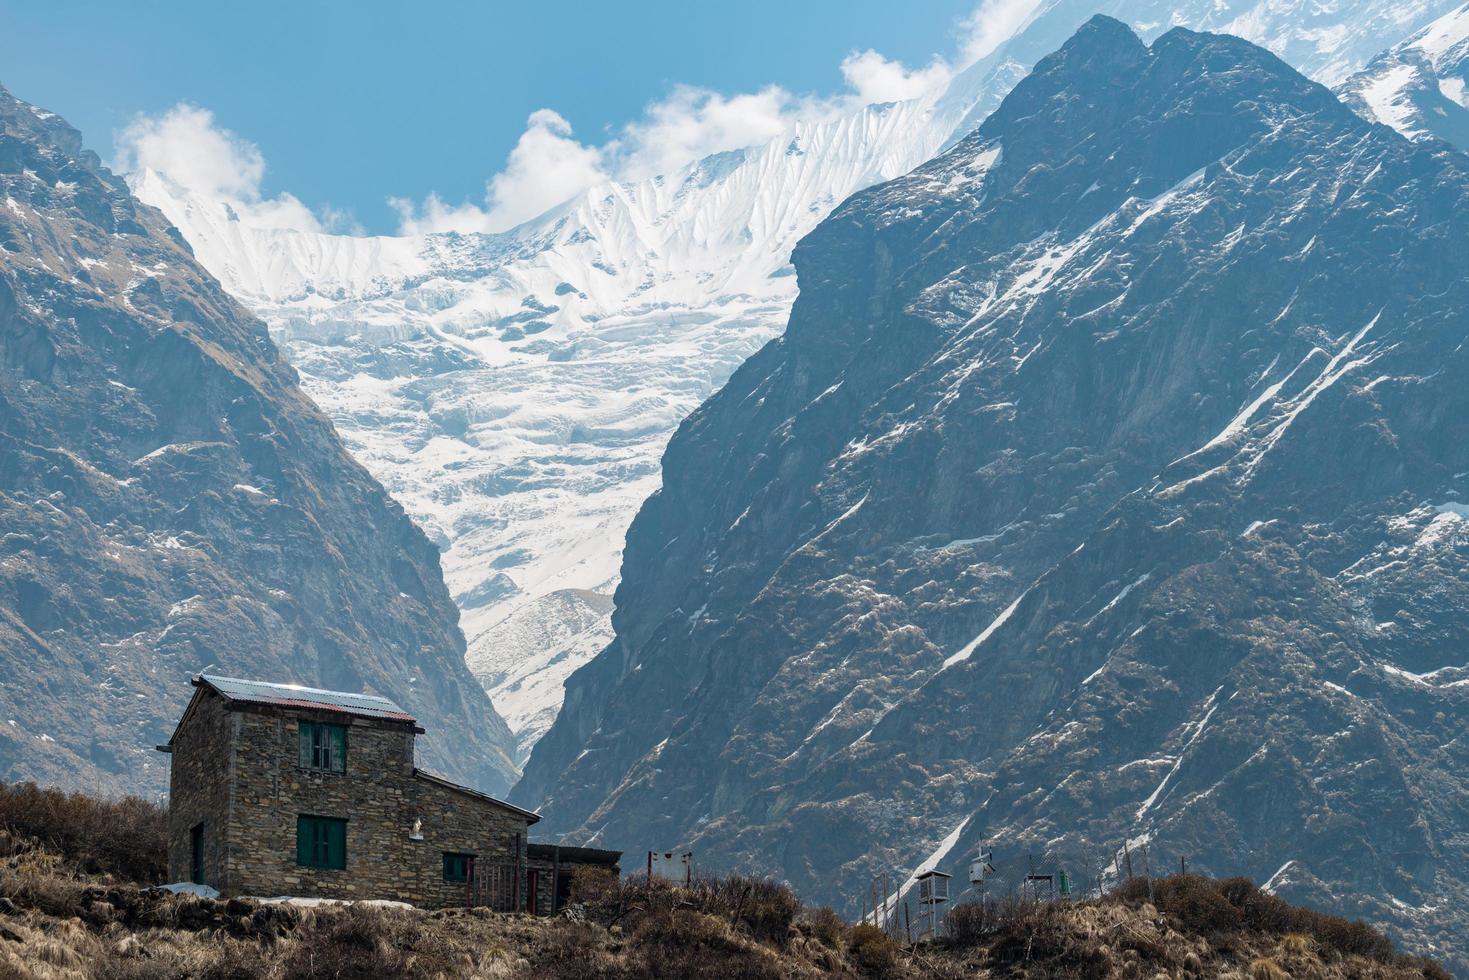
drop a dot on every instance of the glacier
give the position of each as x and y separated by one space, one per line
515 391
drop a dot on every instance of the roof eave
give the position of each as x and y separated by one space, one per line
530 816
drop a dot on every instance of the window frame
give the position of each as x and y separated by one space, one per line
334 839
316 739
464 859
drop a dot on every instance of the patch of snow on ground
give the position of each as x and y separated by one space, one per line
190 888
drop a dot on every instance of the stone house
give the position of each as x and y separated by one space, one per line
284 790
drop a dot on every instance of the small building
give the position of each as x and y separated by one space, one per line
277 789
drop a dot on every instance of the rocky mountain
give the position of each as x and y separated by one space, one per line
1109 483
170 500
1418 87
515 391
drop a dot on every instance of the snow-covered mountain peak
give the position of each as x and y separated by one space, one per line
516 390
1418 86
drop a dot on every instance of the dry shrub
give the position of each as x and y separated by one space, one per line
968 924
872 950
1191 900
358 942
764 910
126 838
686 943
1217 909
1267 969
589 884
1035 933
825 925
572 951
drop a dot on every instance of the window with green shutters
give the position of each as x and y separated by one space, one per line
456 866
323 746
321 842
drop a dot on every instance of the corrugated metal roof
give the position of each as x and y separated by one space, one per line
296 696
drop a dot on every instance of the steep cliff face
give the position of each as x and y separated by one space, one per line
171 500
1105 485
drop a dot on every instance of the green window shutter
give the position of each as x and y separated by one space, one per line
337 844
307 730
339 748
321 842
456 866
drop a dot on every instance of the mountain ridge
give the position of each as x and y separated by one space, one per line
1083 500
426 355
173 501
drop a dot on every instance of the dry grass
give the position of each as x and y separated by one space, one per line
126 838
1184 925
59 924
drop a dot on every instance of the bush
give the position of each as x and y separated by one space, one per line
1216 909
126 838
825 926
967 924
764 910
1267 969
589 884
685 943
1196 903
872 950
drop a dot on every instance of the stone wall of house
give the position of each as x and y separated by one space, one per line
379 797
460 823
199 782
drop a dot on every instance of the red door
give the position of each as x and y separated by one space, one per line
530 892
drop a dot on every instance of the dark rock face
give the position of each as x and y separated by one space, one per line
170 500
1106 485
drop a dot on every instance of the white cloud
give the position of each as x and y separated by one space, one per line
991 24
548 164
875 78
692 123
203 158
546 167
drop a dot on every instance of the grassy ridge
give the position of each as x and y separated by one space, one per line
75 904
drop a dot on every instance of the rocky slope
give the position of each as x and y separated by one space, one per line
1418 86
170 500
1108 483
514 392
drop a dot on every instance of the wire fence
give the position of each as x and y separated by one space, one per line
991 886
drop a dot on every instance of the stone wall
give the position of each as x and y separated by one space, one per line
238 771
199 781
462 823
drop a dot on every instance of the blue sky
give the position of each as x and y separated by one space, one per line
350 104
